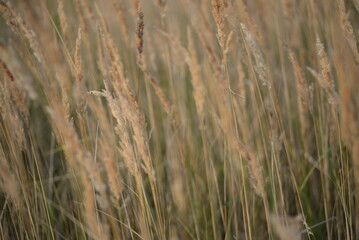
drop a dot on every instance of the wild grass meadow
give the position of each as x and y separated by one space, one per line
179 119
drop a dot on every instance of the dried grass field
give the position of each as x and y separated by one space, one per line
179 119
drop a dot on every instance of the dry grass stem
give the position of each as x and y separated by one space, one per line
210 119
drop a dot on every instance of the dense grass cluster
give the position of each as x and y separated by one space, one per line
179 119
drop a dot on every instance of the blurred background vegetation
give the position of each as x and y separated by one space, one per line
211 119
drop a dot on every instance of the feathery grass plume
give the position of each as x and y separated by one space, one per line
142 64
177 187
301 84
23 81
126 148
8 10
315 13
87 23
100 53
324 64
77 59
291 230
120 83
10 115
260 66
15 92
66 104
133 114
241 84
88 10
219 181
83 158
96 228
158 90
49 59
107 149
78 90
243 10
327 83
110 45
177 178
226 49
62 16
8 182
348 29
255 170
254 165
199 92
130 106
120 9
139 34
9 18
215 63
81 16
112 172
275 138
218 12
303 95
126 151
